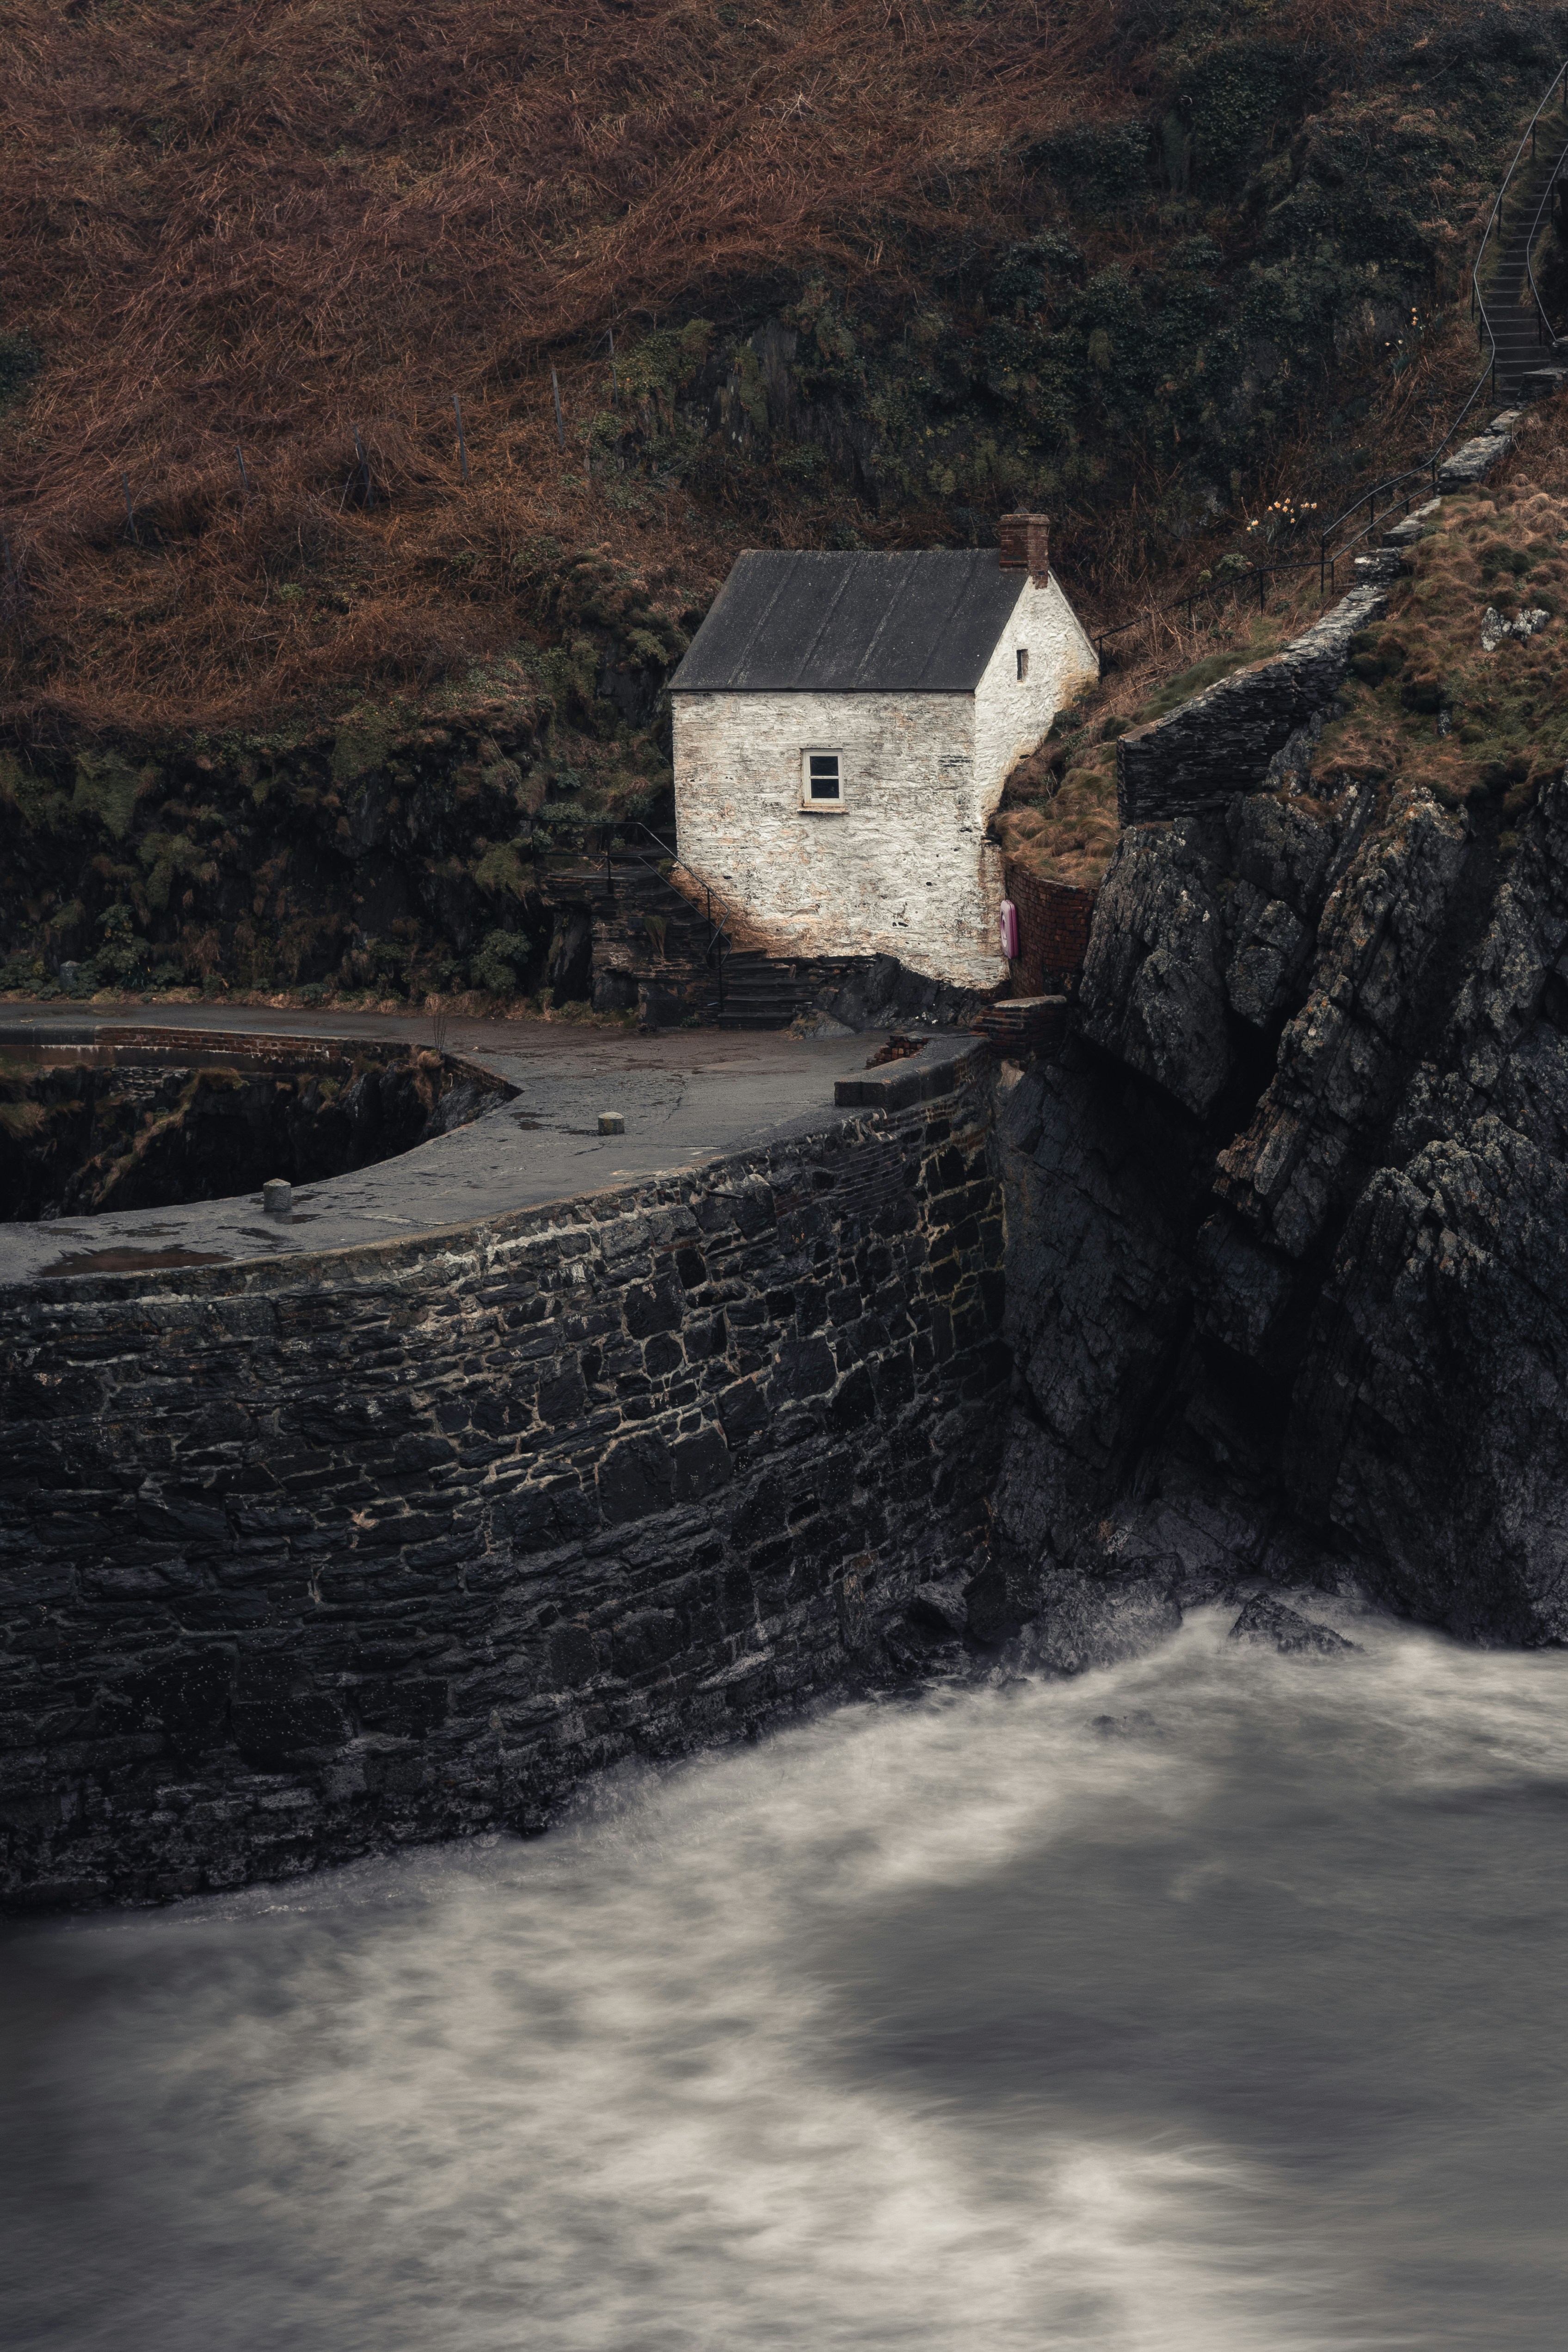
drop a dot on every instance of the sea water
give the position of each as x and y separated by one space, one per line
1213 2002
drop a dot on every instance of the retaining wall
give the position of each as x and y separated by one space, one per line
1055 919
1221 741
300 1560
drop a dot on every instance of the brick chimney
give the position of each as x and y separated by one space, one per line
1026 545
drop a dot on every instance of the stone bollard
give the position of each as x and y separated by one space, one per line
611 1122
278 1197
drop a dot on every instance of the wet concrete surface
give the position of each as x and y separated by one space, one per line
687 1096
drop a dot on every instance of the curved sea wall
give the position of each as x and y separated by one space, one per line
305 1557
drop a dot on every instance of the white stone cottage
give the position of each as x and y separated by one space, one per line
843 726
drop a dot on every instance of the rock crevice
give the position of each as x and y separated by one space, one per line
1288 1247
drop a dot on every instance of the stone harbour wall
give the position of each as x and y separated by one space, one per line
305 1561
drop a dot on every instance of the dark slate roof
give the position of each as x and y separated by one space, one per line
799 622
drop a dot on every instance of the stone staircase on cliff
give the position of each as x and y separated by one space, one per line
1508 308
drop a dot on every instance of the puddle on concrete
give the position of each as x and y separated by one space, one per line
131 1261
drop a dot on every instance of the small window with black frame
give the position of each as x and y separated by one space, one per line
824 781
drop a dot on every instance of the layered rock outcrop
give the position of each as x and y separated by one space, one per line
1289 1221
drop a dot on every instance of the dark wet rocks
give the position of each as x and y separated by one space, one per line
1206 924
1432 1405
1082 1625
942 1607
1288 1227
1340 1063
1276 1626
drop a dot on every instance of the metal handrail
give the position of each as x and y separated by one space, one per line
1261 572
1560 76
1428 465
1391 485
1541 318
719 935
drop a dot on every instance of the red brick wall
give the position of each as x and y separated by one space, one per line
1053 930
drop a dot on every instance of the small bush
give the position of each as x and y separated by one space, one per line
500 962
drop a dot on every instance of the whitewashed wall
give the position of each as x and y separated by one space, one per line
903 869
1011 720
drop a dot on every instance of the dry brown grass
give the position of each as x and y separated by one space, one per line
277 224
227 224
1428 710
1428 707
1059 818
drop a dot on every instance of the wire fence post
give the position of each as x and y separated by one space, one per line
129 509
462 444
560 419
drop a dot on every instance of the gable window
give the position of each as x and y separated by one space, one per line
821 781
1023 661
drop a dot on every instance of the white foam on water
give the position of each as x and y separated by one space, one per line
963 2023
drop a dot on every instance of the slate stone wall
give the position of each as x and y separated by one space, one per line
1054 921
301 1561
1221 742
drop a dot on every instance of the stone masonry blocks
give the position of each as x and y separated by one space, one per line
302 1561
1222 741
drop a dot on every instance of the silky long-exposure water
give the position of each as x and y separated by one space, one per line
1213 2000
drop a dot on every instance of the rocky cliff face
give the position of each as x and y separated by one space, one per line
1289 1222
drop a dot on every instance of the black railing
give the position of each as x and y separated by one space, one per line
1255 576
1398 489
1395 487
1545 332
719 944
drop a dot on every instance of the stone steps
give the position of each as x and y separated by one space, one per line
769 992
761 992
1517 336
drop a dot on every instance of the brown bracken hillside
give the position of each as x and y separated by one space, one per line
1140 261
273 227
